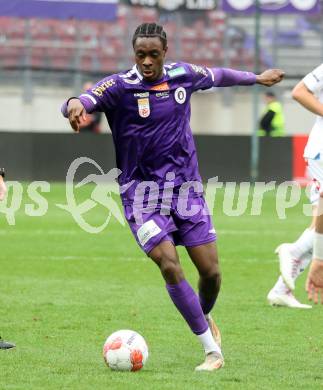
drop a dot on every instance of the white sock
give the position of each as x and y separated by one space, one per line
303 244
305 261
208 342
280 286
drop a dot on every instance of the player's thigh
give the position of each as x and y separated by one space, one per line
205 258
194 223
149 228
165 251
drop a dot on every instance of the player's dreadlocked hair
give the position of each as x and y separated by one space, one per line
150 30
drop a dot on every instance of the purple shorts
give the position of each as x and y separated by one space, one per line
188 230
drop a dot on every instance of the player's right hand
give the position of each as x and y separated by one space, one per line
314 282
76 114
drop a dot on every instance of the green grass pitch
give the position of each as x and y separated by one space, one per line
63 291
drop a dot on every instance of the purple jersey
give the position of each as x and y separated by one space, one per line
150 121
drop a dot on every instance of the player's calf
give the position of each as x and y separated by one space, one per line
209 288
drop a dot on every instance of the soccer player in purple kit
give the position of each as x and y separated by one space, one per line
148 110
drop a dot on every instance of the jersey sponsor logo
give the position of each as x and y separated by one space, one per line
162 95
144 107
147 231
160 87
176 72
199 69
180 95
141 94
98 91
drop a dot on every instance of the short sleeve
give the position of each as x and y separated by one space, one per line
202 78
103 96
314 80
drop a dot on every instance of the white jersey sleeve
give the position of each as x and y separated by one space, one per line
314 147
314 80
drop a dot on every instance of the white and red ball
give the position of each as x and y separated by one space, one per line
125 350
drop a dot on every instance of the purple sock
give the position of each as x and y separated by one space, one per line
206 304
188 305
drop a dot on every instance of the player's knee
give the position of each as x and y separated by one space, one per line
212 273
215 274
170 268
168 264
210 269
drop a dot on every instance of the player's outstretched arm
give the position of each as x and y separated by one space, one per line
76 113
314 282
224 77
307 99
270 77
3 188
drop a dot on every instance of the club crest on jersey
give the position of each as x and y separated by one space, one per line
144 107
180 95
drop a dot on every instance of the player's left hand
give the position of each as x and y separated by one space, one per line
314 282
270 77
3 188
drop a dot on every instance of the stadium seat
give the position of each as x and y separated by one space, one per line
38 57
60 58
196 38
11 57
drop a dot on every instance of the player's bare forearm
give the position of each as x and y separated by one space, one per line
314 282
307 99
76 113
270 77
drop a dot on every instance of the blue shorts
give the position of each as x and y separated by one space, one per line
186 230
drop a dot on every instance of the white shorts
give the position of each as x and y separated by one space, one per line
315 168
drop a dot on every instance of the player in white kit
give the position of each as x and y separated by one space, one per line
295 257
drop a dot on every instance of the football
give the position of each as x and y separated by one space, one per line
125 350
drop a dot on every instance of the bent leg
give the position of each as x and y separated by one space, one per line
205 258
180 291
183 295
